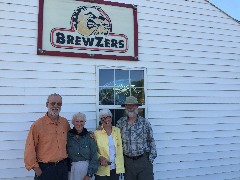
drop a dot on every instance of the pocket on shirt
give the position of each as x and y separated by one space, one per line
85 150
139 134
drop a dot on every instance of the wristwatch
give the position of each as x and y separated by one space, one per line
89 175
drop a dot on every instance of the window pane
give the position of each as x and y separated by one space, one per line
139 94
106 96
121 78
121 94
118 113
116 84
106 77
137 78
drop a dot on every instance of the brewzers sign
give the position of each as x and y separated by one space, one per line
96 29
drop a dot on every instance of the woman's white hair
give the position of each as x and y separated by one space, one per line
104 112
79 114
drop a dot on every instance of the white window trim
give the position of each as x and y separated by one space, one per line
118 106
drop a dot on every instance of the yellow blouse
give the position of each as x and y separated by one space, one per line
103 150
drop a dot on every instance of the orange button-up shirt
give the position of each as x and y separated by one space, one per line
46 142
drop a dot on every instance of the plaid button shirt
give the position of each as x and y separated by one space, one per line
137 137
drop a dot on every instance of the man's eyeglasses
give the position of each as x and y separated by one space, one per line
53 103
104 118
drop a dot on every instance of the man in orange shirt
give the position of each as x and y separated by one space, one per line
45 148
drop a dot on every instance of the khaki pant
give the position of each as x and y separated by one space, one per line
78 170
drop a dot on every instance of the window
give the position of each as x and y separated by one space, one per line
117 84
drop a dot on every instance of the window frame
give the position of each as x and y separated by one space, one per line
98 107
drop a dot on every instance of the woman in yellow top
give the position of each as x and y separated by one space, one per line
109 147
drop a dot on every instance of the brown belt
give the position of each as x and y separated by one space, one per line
52 163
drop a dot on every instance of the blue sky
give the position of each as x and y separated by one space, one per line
231 7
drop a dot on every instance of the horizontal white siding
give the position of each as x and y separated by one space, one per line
193 93
191 52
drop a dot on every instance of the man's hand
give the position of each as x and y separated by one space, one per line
86 178
92 135
99 127
103 161
38 171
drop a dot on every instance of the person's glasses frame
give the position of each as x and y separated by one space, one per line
106 117
54 103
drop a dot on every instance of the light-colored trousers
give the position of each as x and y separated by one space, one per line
78 170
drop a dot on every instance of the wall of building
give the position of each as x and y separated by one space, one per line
191 52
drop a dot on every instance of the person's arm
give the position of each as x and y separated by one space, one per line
68 126
87 178
69 160
30 155
151 143
37 171
101 159
93 161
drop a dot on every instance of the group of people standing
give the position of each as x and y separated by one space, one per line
57 152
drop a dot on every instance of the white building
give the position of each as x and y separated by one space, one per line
189 59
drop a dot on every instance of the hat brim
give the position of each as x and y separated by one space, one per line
123 105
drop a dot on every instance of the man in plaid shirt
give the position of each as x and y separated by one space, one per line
138 143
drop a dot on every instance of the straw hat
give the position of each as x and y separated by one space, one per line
131 100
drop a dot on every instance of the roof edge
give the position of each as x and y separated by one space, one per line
223 11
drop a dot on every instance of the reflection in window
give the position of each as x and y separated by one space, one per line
106 96
137 78
107 76
121 77
116 84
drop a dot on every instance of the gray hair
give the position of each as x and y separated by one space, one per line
54 94
79 114
104 112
